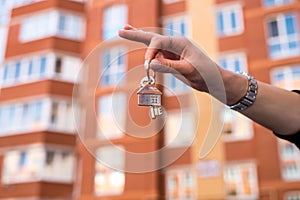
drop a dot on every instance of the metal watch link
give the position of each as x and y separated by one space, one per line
250 96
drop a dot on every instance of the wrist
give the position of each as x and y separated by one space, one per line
236 86
250 97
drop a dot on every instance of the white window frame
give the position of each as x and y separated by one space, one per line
277 3
231 58
174 86
112 116
182 184
239 183
64 118
179 136
286 158
13 125
114 19
177 21
226 10
110 163
242 127
283 38
113 70
36 164
289 80
3 39
292 195
50 19
68 63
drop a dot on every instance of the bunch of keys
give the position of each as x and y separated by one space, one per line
148 94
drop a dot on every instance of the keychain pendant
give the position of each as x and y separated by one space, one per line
148 94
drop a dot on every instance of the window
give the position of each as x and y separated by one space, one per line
241 181
58 65
286 77
230 20
36 115
283 38
113 67
114 19
180 129
181 184
235 62
58 165
111 115
174 86
177 26
20 117
270 3
110 177
11 72
70 26
61 117
290 161
235 126
3 39
39 67
293 195
37 163
52 23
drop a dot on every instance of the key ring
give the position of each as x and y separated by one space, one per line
149 80
147 67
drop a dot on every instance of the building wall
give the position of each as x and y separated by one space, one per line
262 148
137 185
207 150
34 149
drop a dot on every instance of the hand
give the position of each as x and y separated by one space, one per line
179 56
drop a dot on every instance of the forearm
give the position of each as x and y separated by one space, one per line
275 108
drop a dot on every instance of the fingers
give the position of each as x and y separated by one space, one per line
157 44
136 35
158 66
129 27
171 66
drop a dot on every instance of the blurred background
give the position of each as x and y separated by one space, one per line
46 155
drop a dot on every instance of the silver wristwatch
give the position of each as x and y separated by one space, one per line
250 97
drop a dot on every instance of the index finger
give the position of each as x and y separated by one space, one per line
136 35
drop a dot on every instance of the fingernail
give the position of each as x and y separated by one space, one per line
155 64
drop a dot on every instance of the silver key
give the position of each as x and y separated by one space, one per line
155 111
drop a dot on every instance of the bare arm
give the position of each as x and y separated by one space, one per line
275 108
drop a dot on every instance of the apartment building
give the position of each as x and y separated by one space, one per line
197 150
260 37
40 56
136 157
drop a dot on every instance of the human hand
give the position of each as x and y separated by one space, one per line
176 55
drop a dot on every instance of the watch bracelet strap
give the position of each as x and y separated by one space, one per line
250 96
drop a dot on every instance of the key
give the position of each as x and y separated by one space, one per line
155 111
